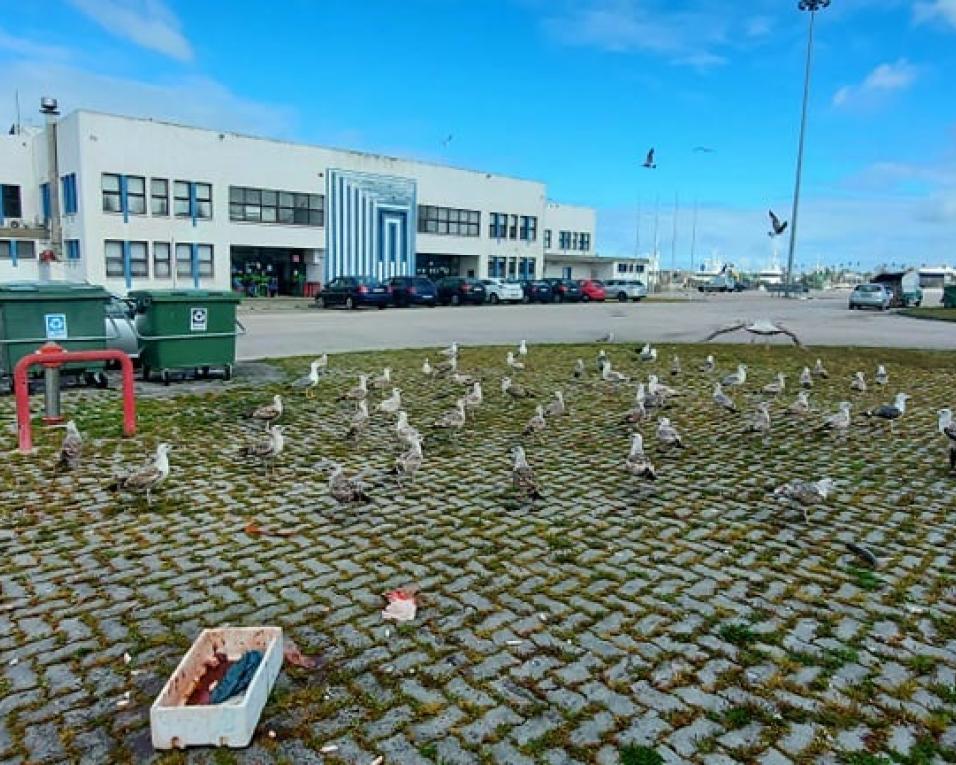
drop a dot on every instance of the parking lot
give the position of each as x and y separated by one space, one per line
821 320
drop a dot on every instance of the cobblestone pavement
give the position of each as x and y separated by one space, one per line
693 621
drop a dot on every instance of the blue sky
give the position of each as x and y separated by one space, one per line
571 93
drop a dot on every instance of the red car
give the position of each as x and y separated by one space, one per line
592 289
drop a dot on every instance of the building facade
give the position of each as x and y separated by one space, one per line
135 203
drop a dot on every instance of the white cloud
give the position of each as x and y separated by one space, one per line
883 79
758 26
936 10
148 23
21 46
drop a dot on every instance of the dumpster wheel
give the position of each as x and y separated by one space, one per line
165 376
227 372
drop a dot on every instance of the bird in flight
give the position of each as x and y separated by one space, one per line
649 161
447 140
704 150
777 226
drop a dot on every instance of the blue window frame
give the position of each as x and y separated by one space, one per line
69 194
45 200
72 249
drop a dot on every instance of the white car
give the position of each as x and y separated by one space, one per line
624 290
500 291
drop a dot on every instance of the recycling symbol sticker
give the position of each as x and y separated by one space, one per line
198 319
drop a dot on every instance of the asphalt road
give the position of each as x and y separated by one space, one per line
821 320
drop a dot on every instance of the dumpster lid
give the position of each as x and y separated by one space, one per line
185 295
58 290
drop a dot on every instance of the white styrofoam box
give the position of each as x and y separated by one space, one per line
174 725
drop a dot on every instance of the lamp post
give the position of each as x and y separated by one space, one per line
813 6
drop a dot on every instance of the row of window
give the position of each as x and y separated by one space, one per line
127 194
139 260
630 268
253 205
511 268
569 240
448 220
505 226
17 249
10 206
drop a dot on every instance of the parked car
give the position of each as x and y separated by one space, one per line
354 292
870 296
120 327
719 283
456 290
413 290
592 289
564 290
537 291
624 290
501 291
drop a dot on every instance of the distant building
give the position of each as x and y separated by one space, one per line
136 203
936 276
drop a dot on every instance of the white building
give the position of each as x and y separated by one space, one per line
147 204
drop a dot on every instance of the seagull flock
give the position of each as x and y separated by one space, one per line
651 405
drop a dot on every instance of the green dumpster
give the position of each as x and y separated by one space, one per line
71 314
186 329
949 296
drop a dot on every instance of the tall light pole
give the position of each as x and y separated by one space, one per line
813 6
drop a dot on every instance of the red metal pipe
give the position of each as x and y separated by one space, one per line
52 355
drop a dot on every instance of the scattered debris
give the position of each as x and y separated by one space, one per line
14 661
377 761
514 642
253 529
124 702
863 554
328 749
293 655
237 677
272 734
127 658
402 604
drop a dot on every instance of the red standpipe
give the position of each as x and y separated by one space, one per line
52 355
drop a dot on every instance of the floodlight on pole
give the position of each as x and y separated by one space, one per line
813 6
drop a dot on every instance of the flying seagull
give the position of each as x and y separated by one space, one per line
667 434
947 426
268 413
72 447
447 140
146 478
649 160
638 464
777 227
309 382
704 150
758 328
523 479
267 447
804 494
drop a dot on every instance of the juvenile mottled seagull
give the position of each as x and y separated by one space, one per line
537 423
408 463
557 408
145 479
804 494
649 161
613 376
383 380
451 351
947 426
453 419
512 362
709 365
882 378
648 399
512 389
638 464
820 371
268 413
777 227
723 400
656 388
357 393
343 489
890 412
311 381
802 405
636 413
776 387
474 398
760 422
71 450
459 378
523 349
267 447
667 434
858 383
427 369
391 404
405 432
806 379
839 422
579 369
736 378
359 422
523 480
675 366
648 353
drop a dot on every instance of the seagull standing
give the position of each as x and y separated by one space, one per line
512 362
383 380
804 494
475 398
343 489
675 366
760 423
357 393
453 419
890 412
839 423
858 383
146 478
648 353
310 382
667 434
267 447
268 413
557 408
820 371
512 389
802 404
638 412
392 404
579 370
408 463
72 447
523 479
602 360
451 351
709 365
656 388
722 399
405 432
947 426
460 378
882 378
537 423
776 387
427 369
806 379
736 378
639 464
523 349
613 376
359 421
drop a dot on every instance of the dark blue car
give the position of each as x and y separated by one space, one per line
413 290
537 291
354 292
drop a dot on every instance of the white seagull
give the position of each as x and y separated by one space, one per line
638 464
882 376
474 398
72 447
512 389
858 383
709 365
146 478
359 421
512 362
427 368
667 434
523 349
311 381
890 412
405 432
675 366
806 379
357 393
776 387
840 422
451 351
383 380
391 404
453 419
722 399
760 422
801 405
819 370
537 423
343 489
613 376
557 408
648 353
602 360
408 463
656 388
579 369
736 378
